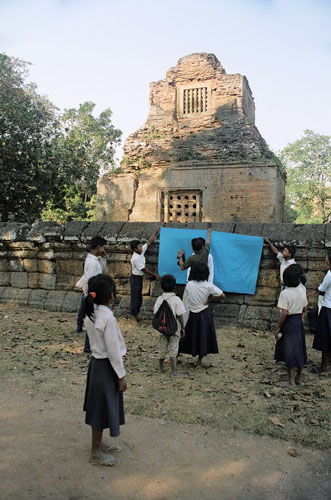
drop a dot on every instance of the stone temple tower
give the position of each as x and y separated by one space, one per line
199 156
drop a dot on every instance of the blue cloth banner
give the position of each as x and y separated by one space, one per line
236 257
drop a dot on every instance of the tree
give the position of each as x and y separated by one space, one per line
83 148
49 162
27 125
308 167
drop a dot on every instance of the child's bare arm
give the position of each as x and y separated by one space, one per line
282 318
208 236
181 321
181 260
150 273
152 238
273 248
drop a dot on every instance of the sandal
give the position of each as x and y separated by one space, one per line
107 460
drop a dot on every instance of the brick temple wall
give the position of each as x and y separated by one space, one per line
40 264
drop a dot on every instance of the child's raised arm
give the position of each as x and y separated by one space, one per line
152 238
208 236
273 248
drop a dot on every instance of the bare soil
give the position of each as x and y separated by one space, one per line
229 431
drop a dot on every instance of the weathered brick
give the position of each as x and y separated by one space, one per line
263 296
314 279
54 301
33 280
47 281
46 266
16 265
4 265
71 302
269 278
19 280
30 265
37 299
65 282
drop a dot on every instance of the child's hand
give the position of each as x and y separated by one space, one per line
157 276
266 239
180 254
122 384
182 332
104 255
277 334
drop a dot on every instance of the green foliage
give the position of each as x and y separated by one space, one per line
27 125
49 162
74 208
308 167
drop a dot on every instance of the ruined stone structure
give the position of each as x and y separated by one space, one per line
40 265
199 156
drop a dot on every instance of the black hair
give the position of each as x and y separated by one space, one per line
300 272
196 244
291 249
291 277
168 282
203 241
328 254
97 241
134 244
100 289
199 272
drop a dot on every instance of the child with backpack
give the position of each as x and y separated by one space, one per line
168 318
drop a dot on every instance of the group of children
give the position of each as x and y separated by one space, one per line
106 380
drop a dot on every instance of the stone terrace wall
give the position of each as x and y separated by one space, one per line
40 264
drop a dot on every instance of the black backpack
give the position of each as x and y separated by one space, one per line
164 320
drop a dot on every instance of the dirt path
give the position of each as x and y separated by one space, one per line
44 451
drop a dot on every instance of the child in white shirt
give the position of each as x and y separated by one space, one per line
106 378
138 264
286 257
95 263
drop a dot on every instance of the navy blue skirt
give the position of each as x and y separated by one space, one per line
291 348
103 402
322 340
200 336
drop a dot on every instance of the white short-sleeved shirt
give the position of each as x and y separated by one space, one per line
197 293
138 261
175 304
210 267
325 286
93 265
106 339
284 264
293 299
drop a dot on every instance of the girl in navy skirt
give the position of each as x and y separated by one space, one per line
200 336
322 340
106 378
290 334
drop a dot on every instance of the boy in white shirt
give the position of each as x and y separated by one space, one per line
95 263
138 263
286 258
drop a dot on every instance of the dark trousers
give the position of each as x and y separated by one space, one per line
136 285
80 320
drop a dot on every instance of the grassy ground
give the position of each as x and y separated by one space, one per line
241 388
